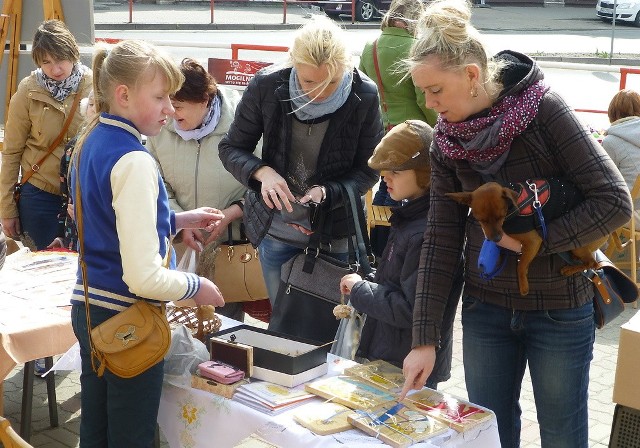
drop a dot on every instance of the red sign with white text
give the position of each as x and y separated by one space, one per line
234 72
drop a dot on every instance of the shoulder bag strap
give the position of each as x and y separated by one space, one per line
362 237
379 77
36 166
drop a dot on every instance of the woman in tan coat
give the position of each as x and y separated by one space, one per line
36 116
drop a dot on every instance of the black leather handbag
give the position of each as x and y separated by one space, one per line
310 282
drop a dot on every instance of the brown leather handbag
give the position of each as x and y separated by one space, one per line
133 340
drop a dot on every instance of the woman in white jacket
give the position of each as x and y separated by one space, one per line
622 140
187 151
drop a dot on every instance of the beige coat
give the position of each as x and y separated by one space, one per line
192 171
34 120
194 176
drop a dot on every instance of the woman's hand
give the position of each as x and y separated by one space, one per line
71 211
12 227
208 294
347 282
275 191
230 214
417 367
206 218
302 229
57 242
316 194
510 243
193 239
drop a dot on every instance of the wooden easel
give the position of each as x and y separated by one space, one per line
11 25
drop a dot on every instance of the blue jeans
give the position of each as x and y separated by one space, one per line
558 345
39 215
116 412
273 254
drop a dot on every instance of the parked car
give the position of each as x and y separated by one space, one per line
626 10
366 10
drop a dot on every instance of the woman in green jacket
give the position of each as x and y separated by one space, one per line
399 97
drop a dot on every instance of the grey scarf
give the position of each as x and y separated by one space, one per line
305 109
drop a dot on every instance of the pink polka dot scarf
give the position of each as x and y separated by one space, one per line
485 140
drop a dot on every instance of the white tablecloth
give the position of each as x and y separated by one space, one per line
192 418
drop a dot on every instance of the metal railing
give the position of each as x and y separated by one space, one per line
284 7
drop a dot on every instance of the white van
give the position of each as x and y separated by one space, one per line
626 10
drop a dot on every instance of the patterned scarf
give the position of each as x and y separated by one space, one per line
486 141
208 125
59 90
305 109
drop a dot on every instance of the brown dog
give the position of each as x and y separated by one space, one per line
492 203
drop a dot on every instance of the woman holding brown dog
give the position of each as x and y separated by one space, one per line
498 121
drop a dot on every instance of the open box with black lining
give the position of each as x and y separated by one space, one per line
280 358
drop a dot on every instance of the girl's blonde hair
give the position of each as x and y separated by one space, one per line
319 42
408 11
625 103
129 62
445 31
53 38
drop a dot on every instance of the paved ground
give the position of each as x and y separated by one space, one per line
197 15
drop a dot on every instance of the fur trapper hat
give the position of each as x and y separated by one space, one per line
405 147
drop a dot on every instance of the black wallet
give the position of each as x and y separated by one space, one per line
303 215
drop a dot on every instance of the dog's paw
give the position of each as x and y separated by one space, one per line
568 271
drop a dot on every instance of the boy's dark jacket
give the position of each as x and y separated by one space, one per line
388 299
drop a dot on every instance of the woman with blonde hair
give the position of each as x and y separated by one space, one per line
125 235
400 98
499 121
319 119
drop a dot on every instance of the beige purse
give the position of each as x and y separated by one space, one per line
238 273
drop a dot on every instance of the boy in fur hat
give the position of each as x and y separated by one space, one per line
402 157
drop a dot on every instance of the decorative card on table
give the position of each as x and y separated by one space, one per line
255 441
397 424
454 412
324 418
351 392
270 398
380 373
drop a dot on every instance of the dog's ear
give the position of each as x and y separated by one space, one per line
462 197
510 195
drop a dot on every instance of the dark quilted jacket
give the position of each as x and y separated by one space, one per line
265 111
388 299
